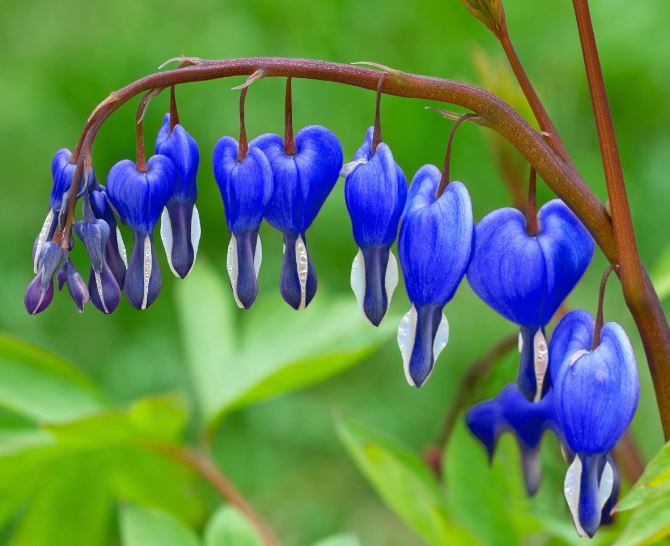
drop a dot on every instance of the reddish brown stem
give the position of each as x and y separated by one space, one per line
377 130
174 113
244 144
601 301
289 143
562 179
532 226
446 174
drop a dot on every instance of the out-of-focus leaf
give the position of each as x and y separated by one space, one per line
404 482
649 522
660 275
276 351
146 527
654 480
486 499
489 12
72 507
41 385
339 540
228 527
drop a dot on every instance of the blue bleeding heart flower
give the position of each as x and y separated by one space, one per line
40 291
246 188
180 221
375 190
75 285
62 171
104 290
511 412
435 247
302 182
139 198
525 278
596 393
115 249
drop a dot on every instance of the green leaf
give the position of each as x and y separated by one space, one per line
72 507
339 540
489 12
654 479
660 275
228 527
404 482
234 366
145 527
41 385
650 521
487 499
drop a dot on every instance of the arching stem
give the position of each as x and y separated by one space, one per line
601 299
174 113
445 179
377 130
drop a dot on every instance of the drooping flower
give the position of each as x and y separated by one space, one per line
40 291
302 182
180 221
246 188
375 190
435 246
115 249
525 277
511 412
76 286
139 198
62 171
596 393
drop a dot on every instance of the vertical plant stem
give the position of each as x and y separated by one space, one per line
289 143
377 131
243 144
446 169
532 226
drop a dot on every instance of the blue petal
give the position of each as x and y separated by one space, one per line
37 298
525 278
139 197
588 490
242 267
180 232
94 234
533 364
436 238
302 181
598 393
62 171
143 278
182 149
297 283
374 277
424 351
375 194
104 290
115 252
246 186
572 334
76 287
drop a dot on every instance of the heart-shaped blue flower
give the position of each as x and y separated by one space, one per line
375 190
246 188
180 221
596 392
526 277
435 246
302 182
139 198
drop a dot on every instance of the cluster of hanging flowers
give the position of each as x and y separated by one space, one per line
583 385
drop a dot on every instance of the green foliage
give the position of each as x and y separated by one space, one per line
228 527
660 275
339 540
145 527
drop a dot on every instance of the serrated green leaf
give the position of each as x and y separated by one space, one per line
228 527
654 479
146 527
489 12
404 482
649 522
339 540
43 386
237 365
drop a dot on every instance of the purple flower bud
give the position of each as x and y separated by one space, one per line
115 249
36 299
76 286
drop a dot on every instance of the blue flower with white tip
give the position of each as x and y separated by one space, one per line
40 291
596 392
302 182
525 277
246 187
435 246
180 221
115 249
139 198
375 190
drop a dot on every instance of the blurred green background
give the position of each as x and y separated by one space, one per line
59 59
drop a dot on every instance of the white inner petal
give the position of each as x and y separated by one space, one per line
196 231
348 168
258 256
42 238
572 490
122 247
520 341
233 268
302 264
406 336
148 264
540 363
98 285
441 337
391 280
166 237
606 485
357 278
576 356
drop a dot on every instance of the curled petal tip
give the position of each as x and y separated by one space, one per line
104 291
